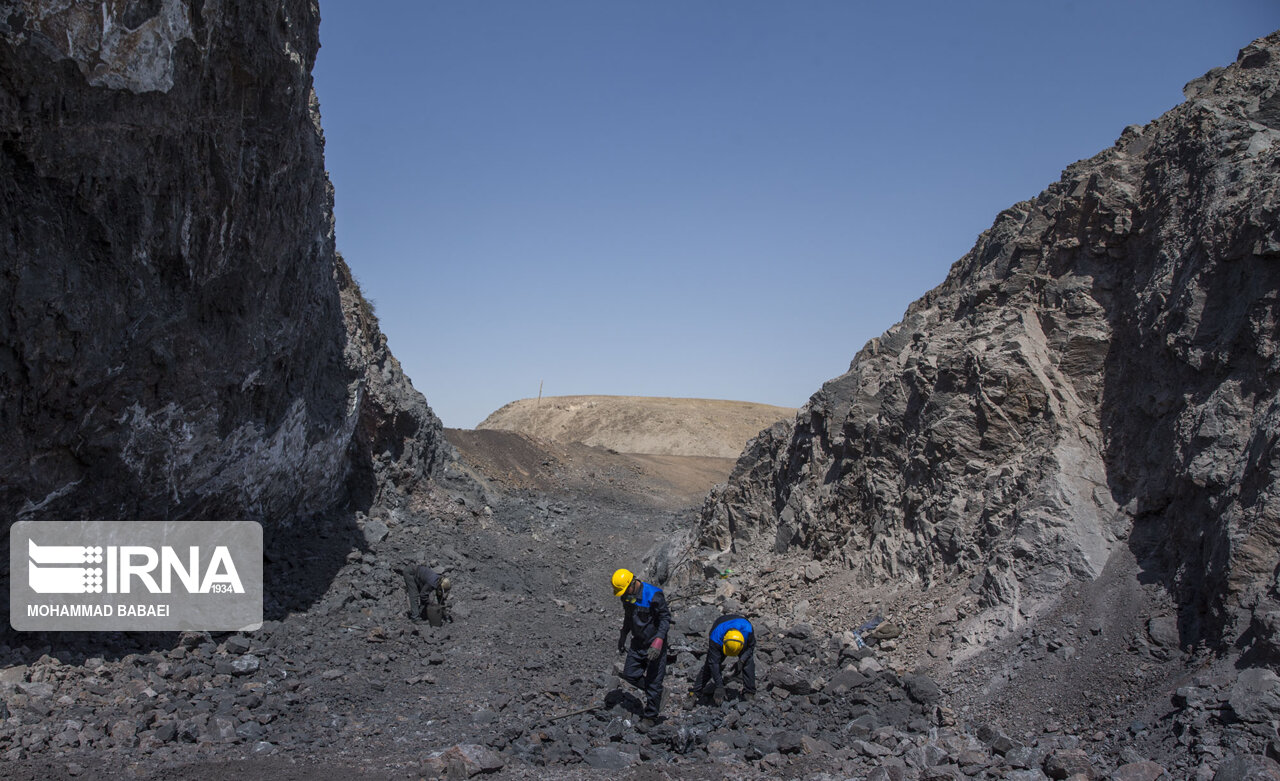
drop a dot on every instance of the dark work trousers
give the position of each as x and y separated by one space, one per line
644 674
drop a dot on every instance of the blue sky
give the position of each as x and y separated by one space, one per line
707 198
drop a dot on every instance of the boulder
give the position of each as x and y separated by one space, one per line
1065 763
461 761
610 758
812 572
1248 768
789 679
1145 770
1163 631
844 682
374 531
1255 696
922 689
789 742
696 621
245 665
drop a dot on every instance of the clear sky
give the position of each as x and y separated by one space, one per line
707 198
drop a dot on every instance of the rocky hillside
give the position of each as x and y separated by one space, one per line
180 340
640 424
1099 372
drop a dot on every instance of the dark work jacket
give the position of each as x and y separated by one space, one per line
648 617
427 578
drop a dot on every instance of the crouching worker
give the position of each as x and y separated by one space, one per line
732 635
646 617
421 582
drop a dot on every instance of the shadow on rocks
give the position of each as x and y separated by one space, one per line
300 563
627 701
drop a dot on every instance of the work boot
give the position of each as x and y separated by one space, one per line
411 588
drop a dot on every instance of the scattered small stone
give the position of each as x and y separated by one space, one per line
609 758
245 665
1065 763
1145 770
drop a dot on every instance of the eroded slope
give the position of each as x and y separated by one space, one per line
641 424
1103 358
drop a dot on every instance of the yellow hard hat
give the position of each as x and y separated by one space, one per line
621 580
733 642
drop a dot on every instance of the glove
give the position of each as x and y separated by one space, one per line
622 642
655 649
718 697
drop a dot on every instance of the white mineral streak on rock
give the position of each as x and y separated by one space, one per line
195 460
109 54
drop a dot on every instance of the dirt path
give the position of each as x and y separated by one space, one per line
511 461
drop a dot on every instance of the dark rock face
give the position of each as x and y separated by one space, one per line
179 339
1101 369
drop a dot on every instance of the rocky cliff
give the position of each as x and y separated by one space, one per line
1100 370
179 339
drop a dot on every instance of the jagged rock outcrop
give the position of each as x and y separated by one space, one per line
1101 369
179 339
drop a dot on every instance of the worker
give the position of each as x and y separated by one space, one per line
731 636
646 617
421 582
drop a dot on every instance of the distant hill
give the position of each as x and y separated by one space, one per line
641 424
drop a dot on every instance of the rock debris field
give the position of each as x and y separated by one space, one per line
523 682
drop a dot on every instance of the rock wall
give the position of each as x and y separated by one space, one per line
178 339
1101 369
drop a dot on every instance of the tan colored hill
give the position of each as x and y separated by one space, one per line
641 424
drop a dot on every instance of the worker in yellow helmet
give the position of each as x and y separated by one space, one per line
646 617
731 636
